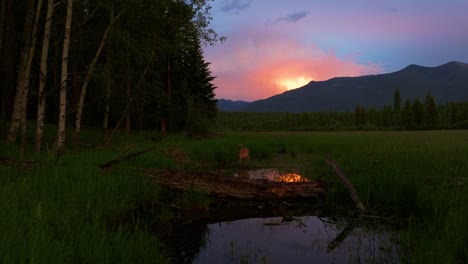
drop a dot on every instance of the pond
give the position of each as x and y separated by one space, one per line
300 239
281 233
305 240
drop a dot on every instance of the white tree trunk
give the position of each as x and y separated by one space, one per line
63 81
24 106
22 79
43 76
79 109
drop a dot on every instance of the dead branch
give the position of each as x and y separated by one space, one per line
111 163
347 184
129 103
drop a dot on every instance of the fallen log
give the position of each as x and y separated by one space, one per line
111 163
23 164
231 187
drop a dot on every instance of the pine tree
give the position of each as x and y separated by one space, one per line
431 116
203 105
418 113
396 100
453 114
406 115
387 116
396 107
359 116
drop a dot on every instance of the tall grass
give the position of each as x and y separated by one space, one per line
61 213
62 210
417 176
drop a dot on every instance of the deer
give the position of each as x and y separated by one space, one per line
243 153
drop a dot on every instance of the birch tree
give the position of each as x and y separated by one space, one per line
88 77
23 75
63 80
43 76
24 106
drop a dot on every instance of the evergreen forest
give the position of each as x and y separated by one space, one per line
418 114
119 65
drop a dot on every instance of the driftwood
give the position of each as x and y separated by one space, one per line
229 187
129 156
347 184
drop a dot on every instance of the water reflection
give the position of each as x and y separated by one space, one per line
305 239
271 174
268 233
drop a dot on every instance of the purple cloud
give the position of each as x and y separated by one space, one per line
293 17
235 6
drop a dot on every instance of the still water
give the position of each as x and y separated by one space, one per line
263 234
306 239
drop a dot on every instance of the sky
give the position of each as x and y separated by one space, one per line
274 46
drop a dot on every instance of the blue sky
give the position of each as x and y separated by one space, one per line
274 46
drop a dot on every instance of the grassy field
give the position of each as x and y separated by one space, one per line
69 211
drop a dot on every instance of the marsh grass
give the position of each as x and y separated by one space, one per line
62 209
60 212
406 175
194 201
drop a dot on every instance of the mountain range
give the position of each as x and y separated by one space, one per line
446 83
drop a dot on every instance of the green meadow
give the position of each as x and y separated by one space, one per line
67 210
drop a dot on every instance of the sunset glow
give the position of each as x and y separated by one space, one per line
261 66
294 83
291 177
276 46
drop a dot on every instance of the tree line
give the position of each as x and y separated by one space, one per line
416 114
108 63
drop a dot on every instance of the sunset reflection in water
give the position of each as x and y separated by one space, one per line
270 174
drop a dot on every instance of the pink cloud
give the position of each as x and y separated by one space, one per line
256 65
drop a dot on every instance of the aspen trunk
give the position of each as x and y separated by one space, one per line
24 106
63 81
43 76
22 82
79 109
107 89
